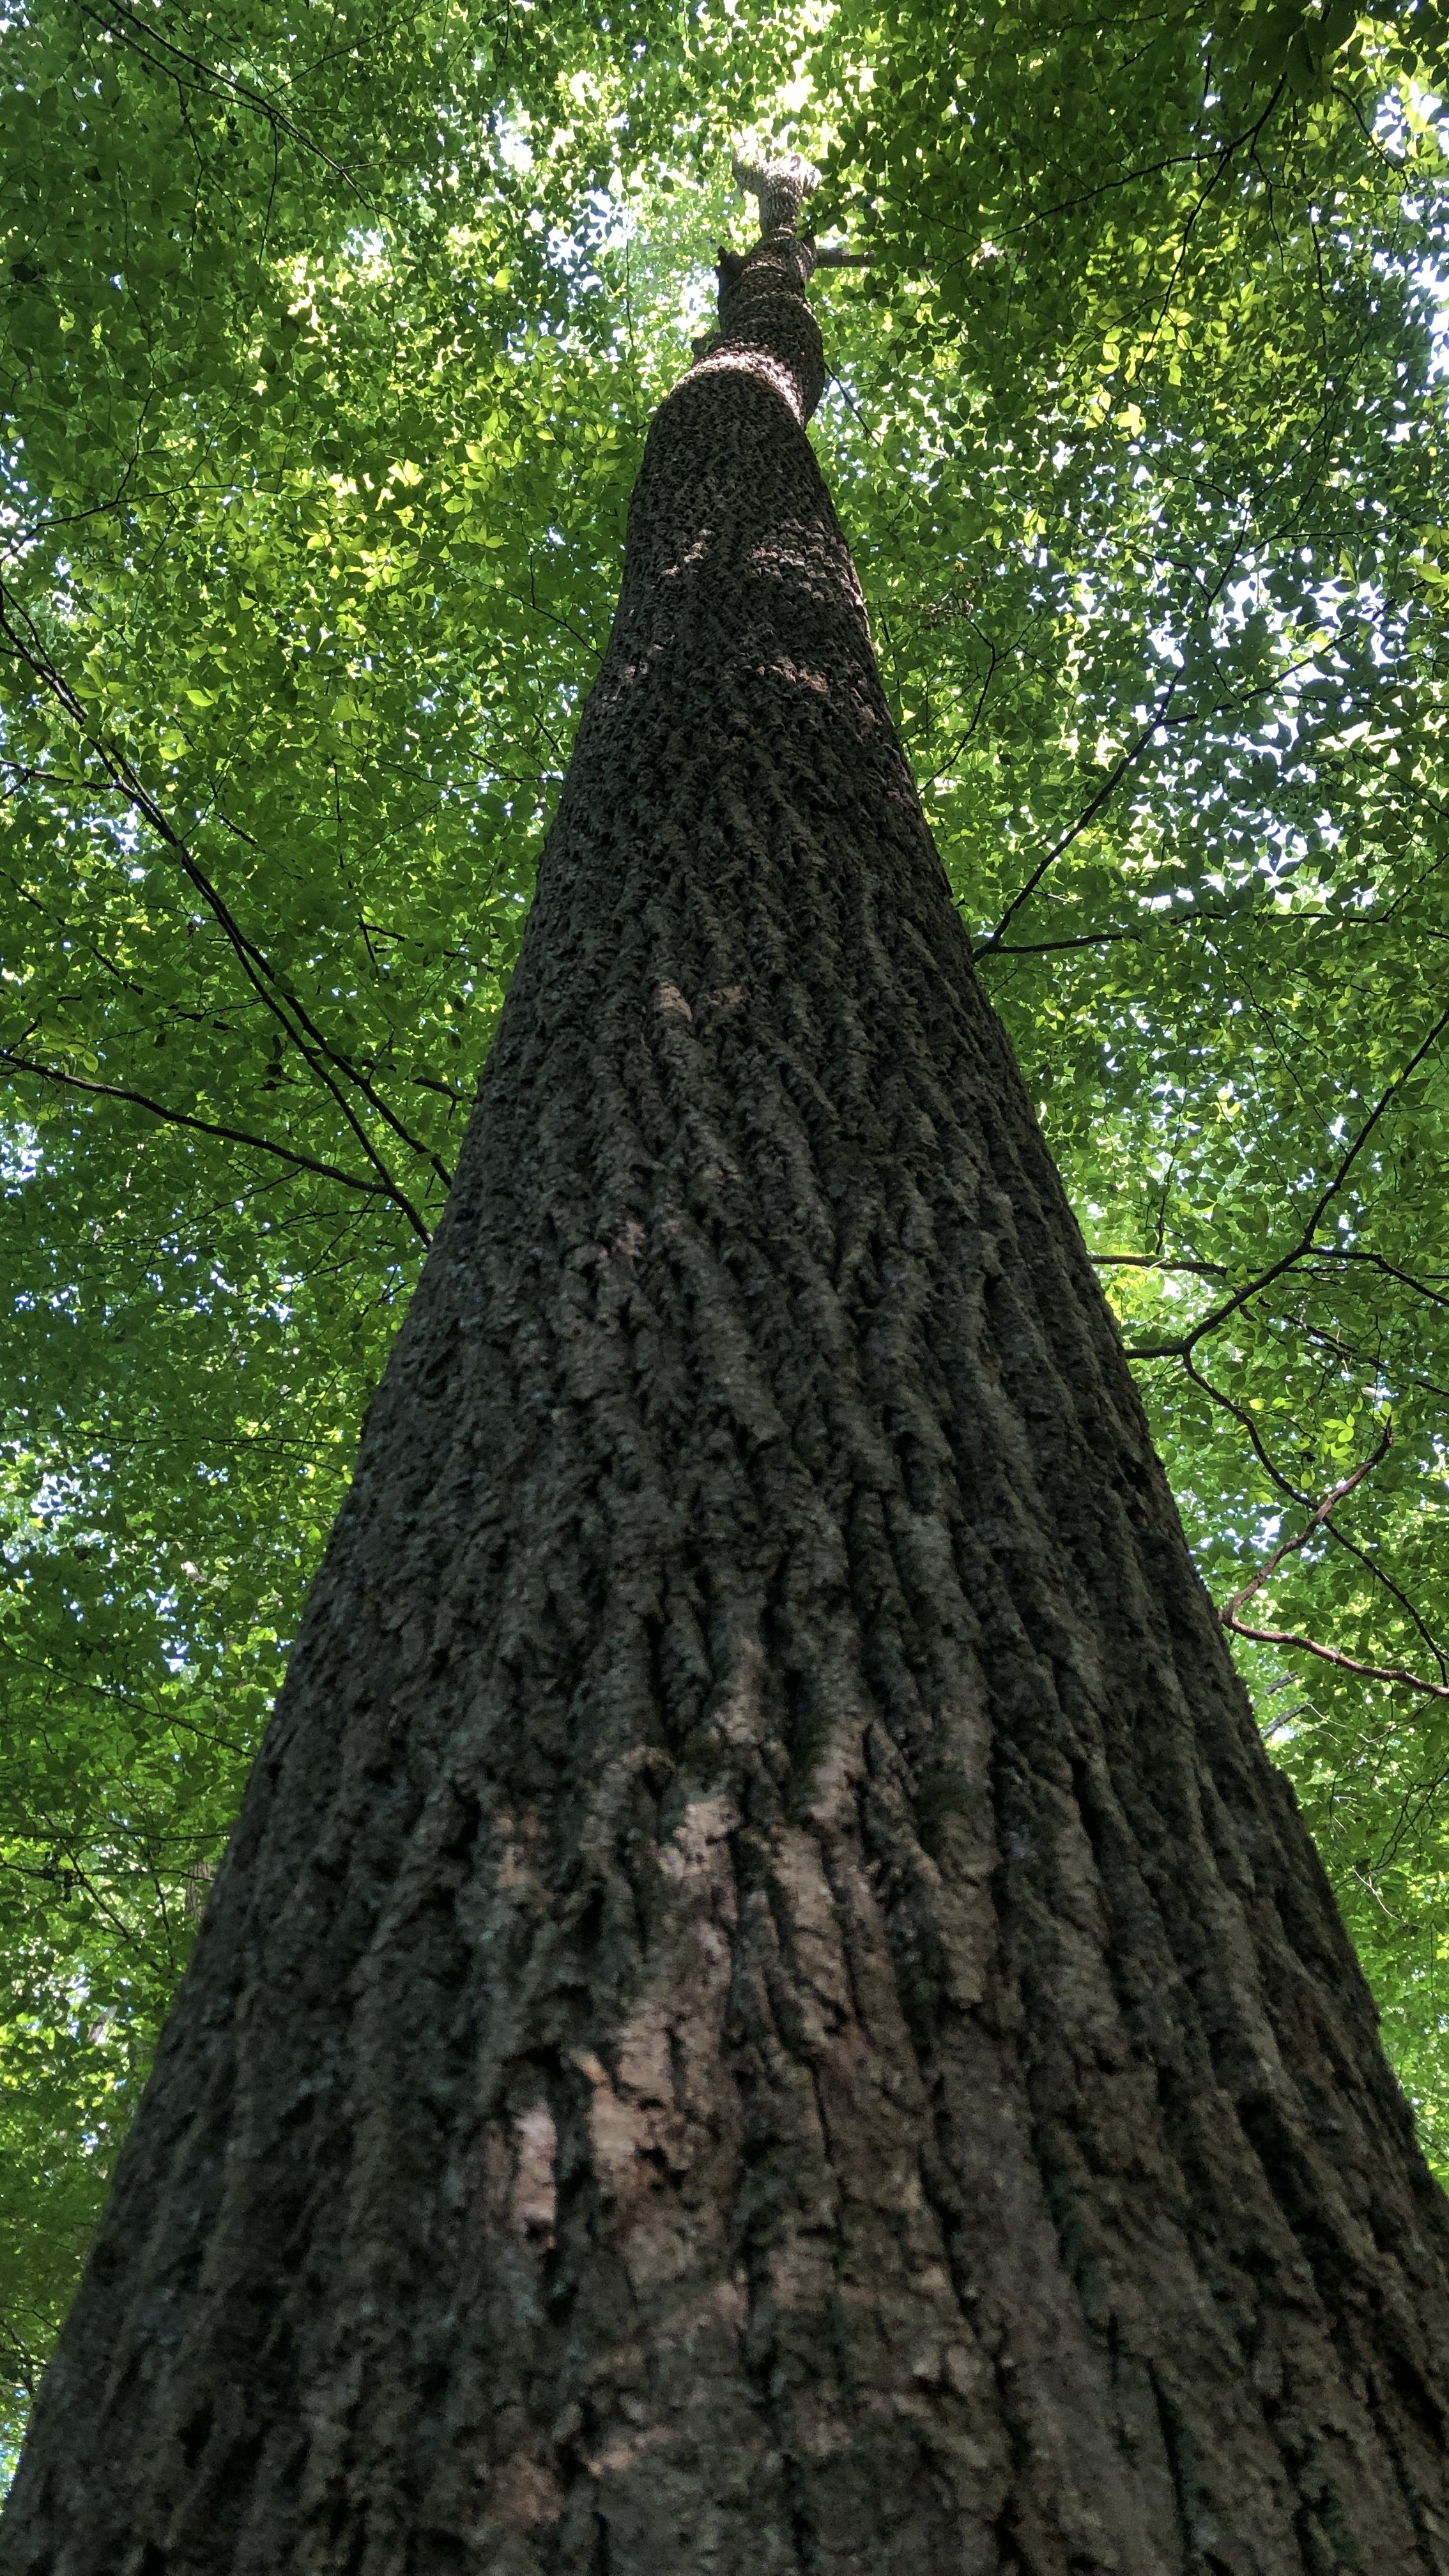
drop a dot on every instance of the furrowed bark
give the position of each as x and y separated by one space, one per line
766 2010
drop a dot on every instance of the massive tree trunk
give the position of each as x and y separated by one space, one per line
766 2010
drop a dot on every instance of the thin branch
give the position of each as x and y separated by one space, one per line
311 1042
1159 721
1149 1261
1319 1519
1331 1655
1220 1269
1331 1529
844 390
230 1135
1108 789
445 1090
1087 939
1086 196
135 33
1249 136
959 745
1305 1248
1290 1546
248 953
1241 1415
1376 1261
1168 921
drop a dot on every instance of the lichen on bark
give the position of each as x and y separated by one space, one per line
766 2009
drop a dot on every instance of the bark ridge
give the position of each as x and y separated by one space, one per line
766 2010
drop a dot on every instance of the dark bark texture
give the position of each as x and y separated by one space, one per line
766 2010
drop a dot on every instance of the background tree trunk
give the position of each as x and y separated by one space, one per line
766 2009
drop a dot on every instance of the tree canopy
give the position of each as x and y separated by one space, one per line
330 344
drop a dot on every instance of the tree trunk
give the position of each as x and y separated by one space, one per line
766 2010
